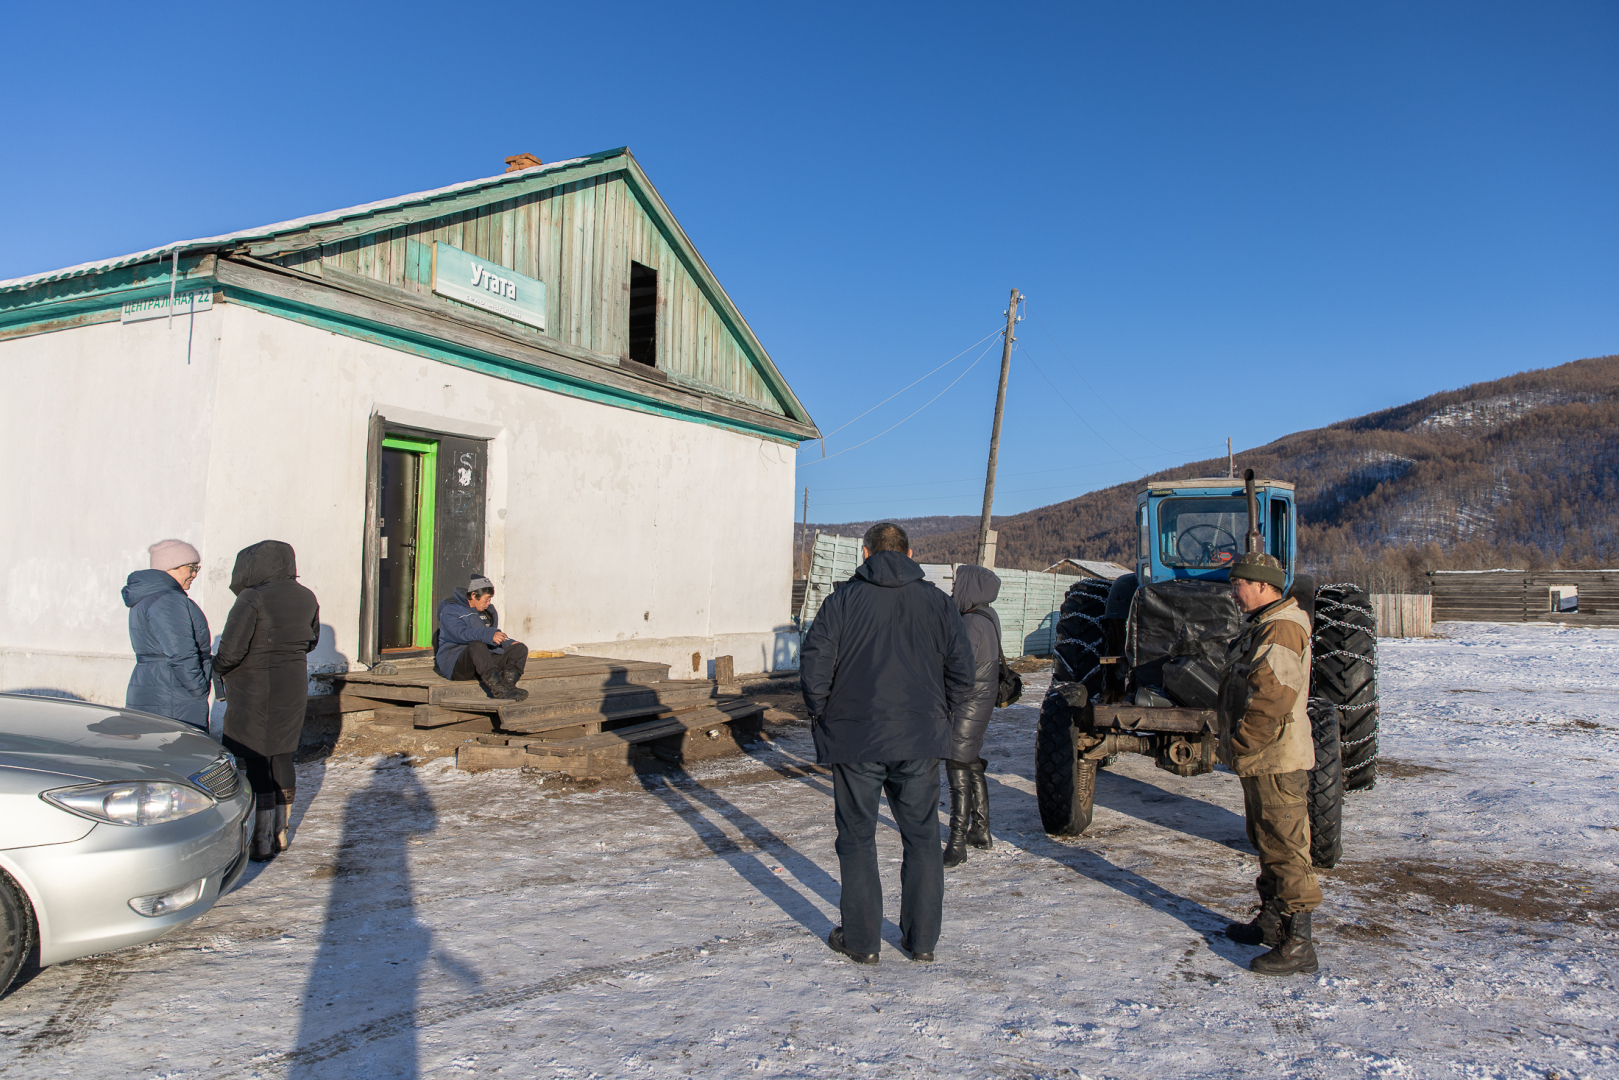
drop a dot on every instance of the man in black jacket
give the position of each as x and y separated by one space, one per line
884 665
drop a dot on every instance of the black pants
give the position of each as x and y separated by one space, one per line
913 799
478 661
272 777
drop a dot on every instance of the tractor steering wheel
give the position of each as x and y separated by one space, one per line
1202 545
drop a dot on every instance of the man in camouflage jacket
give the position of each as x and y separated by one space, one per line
1265 739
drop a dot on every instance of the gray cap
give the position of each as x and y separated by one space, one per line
480 583
1257 566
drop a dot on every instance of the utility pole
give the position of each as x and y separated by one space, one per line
986 537
803 534
1230 462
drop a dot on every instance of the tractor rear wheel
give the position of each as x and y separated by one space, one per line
1081 638
1326 787
1344 672
1064 784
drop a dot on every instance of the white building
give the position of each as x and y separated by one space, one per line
533 375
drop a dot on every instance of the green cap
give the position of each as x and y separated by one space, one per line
1257 566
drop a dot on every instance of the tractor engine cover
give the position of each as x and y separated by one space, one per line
1184 626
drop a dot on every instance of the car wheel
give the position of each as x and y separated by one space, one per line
16 931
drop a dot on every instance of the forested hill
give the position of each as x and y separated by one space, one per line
1521 471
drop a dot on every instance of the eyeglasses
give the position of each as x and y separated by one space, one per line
194 567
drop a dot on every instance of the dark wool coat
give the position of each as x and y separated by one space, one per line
974 590
174 664
273 625
884 665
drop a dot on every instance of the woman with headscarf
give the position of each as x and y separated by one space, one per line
274 623
974 590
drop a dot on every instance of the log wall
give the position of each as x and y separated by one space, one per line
1524 596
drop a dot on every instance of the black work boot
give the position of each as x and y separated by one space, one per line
1296 953
508 682
959 778
978 815
1265 929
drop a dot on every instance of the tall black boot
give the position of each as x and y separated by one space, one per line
959 778
1296 953
1265 929
978 817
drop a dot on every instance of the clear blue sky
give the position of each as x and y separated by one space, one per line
1232 218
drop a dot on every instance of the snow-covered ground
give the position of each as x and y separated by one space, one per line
433 923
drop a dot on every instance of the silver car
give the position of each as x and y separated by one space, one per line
115 828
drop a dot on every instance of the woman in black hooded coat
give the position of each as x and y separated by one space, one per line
974 590
273 625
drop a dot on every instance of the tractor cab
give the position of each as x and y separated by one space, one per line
1193 529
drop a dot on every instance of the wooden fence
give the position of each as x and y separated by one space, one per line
1576 597
1403 614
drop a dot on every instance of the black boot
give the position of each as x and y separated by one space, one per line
1296 953
508 682
978 816
1265 929
959 778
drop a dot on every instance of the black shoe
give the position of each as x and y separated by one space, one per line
1265 929
835 940
1294 955
959 778
978 817
919 957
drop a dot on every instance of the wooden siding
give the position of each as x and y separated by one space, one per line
1524 596
579 239
1403 614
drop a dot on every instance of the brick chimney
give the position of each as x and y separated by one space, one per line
522 161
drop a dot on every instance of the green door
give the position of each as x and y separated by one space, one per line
406 511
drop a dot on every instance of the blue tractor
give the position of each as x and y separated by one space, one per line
1139 659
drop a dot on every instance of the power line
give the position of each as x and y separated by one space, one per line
902 389
1094 392
930 401
1076 412
1028 472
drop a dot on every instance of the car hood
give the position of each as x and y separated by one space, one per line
98 742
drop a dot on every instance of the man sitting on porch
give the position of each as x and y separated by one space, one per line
469 643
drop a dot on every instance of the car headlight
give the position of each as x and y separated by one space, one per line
124 803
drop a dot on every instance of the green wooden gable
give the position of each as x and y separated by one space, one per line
576 226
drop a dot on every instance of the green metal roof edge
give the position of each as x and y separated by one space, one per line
489 364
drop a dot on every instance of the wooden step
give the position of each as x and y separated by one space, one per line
417 682
610 704
681 737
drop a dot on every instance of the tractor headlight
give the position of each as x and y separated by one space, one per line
127 803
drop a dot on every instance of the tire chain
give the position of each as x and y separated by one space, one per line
1344 673
1080 636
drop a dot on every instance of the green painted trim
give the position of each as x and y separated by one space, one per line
421 623
497 366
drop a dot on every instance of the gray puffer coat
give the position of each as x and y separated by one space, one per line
173 662
975 589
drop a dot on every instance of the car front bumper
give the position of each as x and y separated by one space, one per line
81 890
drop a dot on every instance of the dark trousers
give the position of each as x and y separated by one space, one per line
1279 829
913 799
479 661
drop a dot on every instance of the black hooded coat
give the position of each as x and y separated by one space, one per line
274 623
974 590
884 665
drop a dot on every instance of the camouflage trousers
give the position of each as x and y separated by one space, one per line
1279 829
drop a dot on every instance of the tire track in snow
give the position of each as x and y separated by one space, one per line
427 1016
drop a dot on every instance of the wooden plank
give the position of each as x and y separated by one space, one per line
436 716
474 755
465 328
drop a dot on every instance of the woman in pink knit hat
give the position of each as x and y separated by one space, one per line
174 663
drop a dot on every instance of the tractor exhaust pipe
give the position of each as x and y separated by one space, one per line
1251 541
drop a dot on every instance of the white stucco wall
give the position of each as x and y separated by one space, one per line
610 531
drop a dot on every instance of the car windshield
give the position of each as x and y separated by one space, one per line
1201 534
